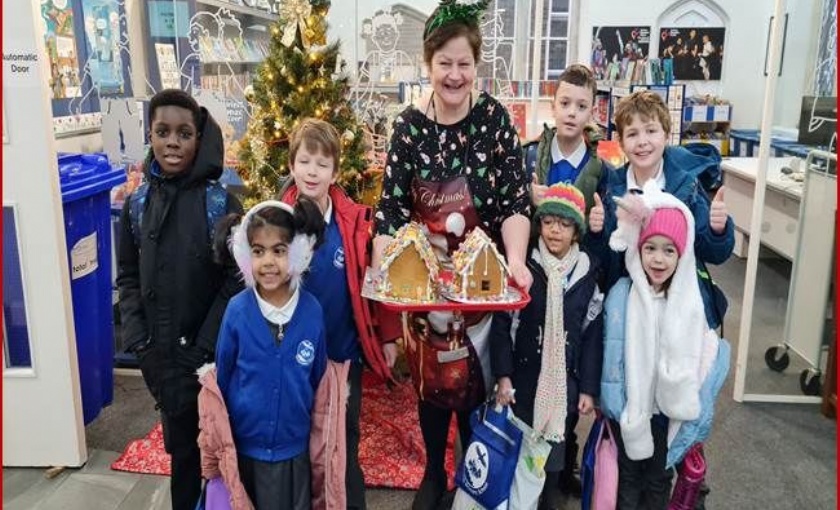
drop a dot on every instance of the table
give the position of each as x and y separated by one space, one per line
781 204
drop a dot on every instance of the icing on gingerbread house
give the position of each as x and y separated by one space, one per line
480 271
409 267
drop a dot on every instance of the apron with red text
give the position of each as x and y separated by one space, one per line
447 353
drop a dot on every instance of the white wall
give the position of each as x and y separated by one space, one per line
800 58
42 410
742 77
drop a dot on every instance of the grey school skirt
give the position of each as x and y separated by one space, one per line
284 485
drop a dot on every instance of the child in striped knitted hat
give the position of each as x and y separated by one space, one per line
550 351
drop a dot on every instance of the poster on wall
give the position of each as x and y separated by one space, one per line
697 52
617 51
60 41
102 31
170 76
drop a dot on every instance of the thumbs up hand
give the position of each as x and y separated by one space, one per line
596 215
718 212
537 190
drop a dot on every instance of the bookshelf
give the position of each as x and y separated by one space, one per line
707 123
674 97
236 41
608 97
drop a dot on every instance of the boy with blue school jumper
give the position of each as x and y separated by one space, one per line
172 293
568 153
337 274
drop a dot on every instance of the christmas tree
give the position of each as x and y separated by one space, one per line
301 77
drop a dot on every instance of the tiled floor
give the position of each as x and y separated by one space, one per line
93 487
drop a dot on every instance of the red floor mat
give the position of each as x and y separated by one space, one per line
145 455
391 451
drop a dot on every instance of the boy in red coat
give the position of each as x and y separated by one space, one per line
337 272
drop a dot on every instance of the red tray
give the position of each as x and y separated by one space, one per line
518 299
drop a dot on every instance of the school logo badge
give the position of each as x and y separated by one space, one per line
476 467
305 352
338 258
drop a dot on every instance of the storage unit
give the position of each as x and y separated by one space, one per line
607 121
673 95
707 123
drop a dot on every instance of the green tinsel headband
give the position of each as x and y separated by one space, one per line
467 11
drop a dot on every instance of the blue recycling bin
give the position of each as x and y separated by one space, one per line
86 183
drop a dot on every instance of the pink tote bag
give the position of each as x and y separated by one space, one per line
606 471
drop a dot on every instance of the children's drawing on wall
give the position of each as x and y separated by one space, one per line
216 39
619 52
60 40
496 52
696 52
384 62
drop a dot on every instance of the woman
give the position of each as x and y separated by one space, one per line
454 163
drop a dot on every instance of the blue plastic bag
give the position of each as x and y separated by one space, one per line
489 464
587 463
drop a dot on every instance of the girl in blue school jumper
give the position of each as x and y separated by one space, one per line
271 352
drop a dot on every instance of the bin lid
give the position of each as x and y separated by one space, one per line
83 175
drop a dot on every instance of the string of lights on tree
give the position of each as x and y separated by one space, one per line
301 77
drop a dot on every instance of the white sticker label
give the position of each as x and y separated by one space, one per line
698 113
83 260
20 67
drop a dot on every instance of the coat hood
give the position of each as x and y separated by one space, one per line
209 158
591 136
693 162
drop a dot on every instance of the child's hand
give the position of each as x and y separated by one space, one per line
586 404
537 190
718 212
504 392
596 215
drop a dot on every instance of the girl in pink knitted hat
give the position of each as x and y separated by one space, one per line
663 364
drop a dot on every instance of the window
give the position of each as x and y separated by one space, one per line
555 39
500 58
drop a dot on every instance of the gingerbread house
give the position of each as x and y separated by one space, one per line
480 271
409 267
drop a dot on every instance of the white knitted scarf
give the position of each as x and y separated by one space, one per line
550 401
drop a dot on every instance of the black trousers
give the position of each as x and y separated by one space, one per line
434 424
644 484
355 478
180 438
571 451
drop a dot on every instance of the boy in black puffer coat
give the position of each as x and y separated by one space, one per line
172 293
551 351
